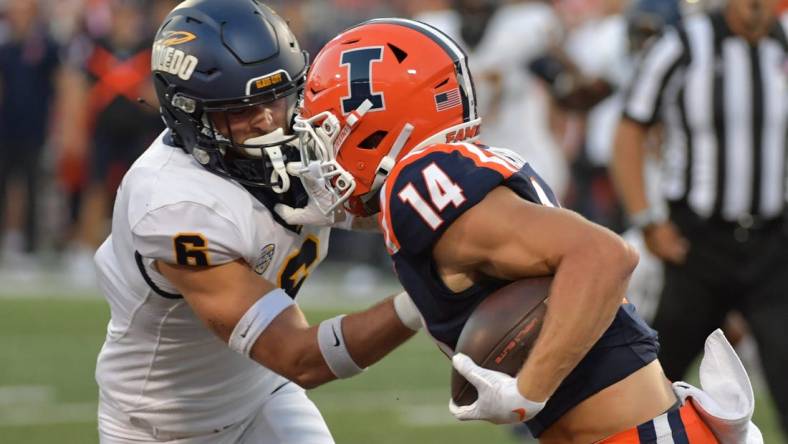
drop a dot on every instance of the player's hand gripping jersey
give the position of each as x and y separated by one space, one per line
159 364
428 190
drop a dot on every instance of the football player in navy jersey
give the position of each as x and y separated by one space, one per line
388 125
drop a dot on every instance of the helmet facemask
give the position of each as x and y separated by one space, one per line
318 136
255 158
257 152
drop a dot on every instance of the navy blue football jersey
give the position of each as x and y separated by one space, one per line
428 190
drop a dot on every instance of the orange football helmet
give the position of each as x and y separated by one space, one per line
375 93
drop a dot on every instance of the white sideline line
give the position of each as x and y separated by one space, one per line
13 395
377 399
415 408
26 405
36 415
427 415
36 405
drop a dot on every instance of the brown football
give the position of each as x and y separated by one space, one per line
501 331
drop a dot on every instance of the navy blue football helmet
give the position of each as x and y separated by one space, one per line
216 61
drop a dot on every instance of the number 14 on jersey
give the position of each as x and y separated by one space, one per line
442 192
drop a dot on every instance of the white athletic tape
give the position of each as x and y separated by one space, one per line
256 320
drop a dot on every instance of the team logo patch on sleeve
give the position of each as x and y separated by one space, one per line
265 258
447 100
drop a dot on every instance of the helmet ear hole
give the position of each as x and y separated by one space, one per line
373 140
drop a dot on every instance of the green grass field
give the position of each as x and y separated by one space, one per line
48 349
48 395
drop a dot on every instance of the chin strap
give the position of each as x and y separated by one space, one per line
274 154
351 121
387 163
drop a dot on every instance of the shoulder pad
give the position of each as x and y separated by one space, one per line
428 189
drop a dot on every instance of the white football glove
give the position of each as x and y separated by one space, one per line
311 214
499 402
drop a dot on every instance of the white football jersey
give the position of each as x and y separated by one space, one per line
160 364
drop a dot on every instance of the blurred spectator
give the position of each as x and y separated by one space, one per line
586 75
315 22
596 49
28 64
603 49
111 73
65 18
500 40
158 10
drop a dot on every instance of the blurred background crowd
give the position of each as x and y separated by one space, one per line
77 107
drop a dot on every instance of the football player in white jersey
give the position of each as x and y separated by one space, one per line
205 343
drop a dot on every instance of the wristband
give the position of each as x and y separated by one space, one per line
648 216
332 346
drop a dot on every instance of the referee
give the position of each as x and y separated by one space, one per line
717 86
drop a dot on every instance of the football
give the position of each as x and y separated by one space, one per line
501 331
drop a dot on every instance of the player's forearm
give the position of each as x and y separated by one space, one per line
306 366
628 166
373 333
587 290
368 335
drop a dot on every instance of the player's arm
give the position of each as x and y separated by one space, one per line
507 237
641 110
629 157
237 304
628 167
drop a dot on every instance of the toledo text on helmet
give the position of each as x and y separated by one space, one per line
171 60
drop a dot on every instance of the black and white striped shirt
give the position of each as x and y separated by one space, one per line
723 102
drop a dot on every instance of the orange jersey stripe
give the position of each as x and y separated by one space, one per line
384 220
697 431
493 162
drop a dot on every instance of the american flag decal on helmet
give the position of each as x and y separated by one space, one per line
448 99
